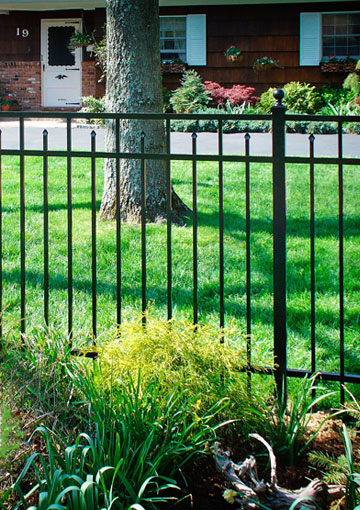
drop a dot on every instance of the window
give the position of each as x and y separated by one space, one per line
183 37
341 35
173 38
324 34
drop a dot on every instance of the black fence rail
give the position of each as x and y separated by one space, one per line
278 160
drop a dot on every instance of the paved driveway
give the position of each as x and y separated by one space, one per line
296 144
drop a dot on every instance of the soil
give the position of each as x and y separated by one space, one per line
205 486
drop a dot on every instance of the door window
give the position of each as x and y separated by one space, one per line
58 51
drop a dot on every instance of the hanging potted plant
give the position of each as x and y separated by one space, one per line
233 54
265 64
80 39
5 104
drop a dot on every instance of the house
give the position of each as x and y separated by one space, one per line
37 68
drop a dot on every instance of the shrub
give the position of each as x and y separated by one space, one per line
299 98
335 95
92 104
191 96
352 83
181 354
236 95
287 425
136 441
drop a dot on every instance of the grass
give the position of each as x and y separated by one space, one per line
298 256
9 434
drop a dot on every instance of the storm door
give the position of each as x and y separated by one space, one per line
61 65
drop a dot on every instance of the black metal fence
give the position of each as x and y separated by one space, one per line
278 159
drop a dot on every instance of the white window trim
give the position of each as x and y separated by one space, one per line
195 46
316 37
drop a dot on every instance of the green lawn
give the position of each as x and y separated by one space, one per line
235 299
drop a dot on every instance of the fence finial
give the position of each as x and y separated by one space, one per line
279 96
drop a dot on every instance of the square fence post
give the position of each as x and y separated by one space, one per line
279 242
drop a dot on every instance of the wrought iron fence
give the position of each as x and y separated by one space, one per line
278 159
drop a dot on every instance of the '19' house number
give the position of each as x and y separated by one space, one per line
22 32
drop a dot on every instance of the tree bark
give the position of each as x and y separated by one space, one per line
134 86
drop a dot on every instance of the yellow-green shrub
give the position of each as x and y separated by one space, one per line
179 353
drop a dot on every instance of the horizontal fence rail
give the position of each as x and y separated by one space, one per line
72 287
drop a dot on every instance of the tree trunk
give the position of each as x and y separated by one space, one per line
134 86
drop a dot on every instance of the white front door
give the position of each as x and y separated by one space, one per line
61 67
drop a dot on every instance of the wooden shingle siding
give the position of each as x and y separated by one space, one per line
259 30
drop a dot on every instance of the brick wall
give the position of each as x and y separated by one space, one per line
89 78
22 81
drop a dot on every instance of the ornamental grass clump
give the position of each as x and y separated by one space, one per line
179 353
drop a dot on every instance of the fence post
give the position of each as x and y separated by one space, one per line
279 242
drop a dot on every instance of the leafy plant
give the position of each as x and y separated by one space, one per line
352 83
38 364
233 51
180 354
91 104
79 39
341 470
264 63
67 478
236 95
191 96
299 98
286 426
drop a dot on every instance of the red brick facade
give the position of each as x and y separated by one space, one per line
22 81
88 78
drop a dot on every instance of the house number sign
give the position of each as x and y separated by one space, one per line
24 32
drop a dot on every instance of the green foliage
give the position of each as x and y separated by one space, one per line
229 126
40 363
191 96
286 426
68 478
352 83
180 354
299 98
166 100
137 438
91 104
80 39
335 95
10 433
314 127
341 470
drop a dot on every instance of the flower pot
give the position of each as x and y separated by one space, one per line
262 67
349 67
234 59
172 68
5 107
332 67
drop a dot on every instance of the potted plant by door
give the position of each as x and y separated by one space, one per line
233 54
5 104
80 39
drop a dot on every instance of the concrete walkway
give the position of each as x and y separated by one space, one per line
296 144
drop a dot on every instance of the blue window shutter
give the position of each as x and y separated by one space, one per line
310 38
196 39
